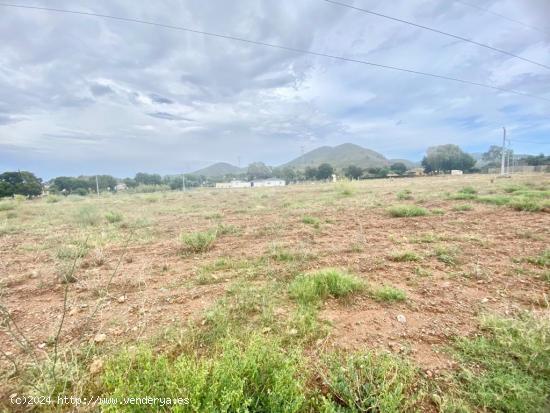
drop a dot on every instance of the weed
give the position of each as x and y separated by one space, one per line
446 256
227 229
255 376
404 256
462 196
345 189
542 260
405 194
6 206
462 208
313 221
388 293
52 199
467 190
314 287
422 272
494 199
88 215
370 382
438 211
507 369
525 204
199 241
114 216
399 211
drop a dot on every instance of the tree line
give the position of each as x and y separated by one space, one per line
438 159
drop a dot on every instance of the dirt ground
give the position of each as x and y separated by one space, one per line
134 291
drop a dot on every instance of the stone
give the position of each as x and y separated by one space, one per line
401 318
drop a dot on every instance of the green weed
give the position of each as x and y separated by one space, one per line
404 256
199 241
399 211
388 293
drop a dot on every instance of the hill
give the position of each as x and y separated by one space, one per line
219 169
340 156
408 164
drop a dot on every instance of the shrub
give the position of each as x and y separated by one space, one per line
542 260
114 216
404 194
388 293
494 199
445 256
88 215
227 229
370 382
462 196
314 287
399 211
258 376
199 241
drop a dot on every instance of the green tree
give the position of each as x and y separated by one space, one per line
148 179
324 171
20 183
538 160
69 184
399 168
287 173
353 172
444 158
258 170
310 173
105 182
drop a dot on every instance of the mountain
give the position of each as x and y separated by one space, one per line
219 169
339 157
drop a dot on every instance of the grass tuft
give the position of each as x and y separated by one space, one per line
404 256
199 241
313 221
405 194
399 211
88 215
388 293
114 216
314 287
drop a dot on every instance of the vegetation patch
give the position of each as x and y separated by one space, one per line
399 211
388 293
463 208
114 216
507 369
88 215
541 260
6 206
370 382
199 241
404 256
446 256
313 221
405 194
255 376
494 199
314 287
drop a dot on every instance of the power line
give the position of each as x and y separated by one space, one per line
486 10
275 46
431 29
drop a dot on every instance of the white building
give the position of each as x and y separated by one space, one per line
233 184
269 182
456 172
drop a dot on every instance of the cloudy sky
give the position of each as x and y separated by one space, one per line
85 95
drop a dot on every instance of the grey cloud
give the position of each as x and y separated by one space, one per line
160 99
100 90
168 116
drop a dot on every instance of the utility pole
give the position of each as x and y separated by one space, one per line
97 185
503 154
183 182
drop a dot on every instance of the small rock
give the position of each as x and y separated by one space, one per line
73 311
401 318
293 332
121 299
96 366
100 338
484 300
429 374
42 345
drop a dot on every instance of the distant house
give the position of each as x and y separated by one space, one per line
268 182
233 184
456 172
415 172
121 187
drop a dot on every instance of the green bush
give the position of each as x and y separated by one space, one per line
199 241
468 190
258 376
399 211
313 221
494 199
314 287
52 199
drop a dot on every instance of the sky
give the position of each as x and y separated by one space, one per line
86 95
